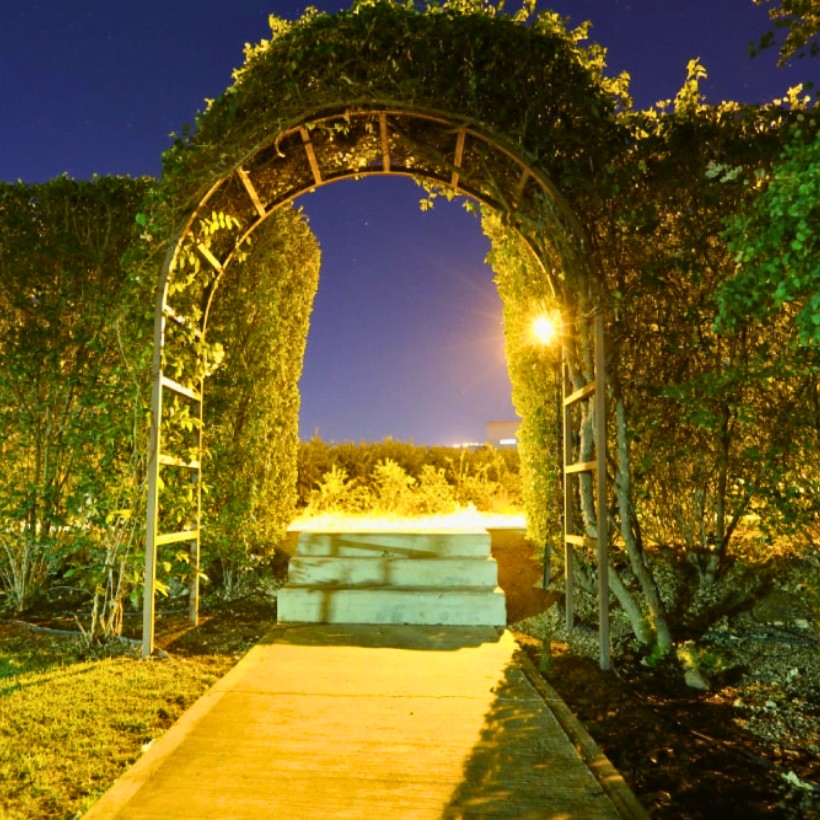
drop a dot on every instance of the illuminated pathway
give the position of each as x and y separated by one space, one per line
347 721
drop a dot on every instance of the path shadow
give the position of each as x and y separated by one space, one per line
524 766
520 575
387 636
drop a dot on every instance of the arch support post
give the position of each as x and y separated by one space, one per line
152 512
191 535
594 392
154 539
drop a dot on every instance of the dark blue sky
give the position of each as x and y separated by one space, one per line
406 338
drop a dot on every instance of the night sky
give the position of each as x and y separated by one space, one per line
406 338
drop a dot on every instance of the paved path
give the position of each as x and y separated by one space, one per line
371 722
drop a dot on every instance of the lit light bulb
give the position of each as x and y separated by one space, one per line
544 329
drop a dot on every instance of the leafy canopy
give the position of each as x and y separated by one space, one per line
776 245
801 20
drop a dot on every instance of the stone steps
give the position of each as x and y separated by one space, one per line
402 572
455 606
395 543
433 577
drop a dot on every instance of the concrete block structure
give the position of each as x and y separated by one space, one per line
433 577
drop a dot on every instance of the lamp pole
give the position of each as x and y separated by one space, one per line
545 330
557 454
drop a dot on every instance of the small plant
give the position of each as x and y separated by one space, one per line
655 656
25 564
433 495
336 492
393 487
472 485
707 659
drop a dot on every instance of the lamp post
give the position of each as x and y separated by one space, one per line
546 330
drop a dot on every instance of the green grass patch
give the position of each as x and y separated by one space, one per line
69 727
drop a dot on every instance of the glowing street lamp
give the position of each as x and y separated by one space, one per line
544 330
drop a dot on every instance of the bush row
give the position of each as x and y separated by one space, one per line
393 477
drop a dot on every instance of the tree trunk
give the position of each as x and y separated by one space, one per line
651 595
718 547
631 607
633 611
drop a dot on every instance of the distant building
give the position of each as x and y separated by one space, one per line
503 435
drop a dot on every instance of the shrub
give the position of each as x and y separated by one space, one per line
434 495
398 478
260 318
393 487
336 493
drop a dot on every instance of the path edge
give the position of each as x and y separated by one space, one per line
117 795
609 778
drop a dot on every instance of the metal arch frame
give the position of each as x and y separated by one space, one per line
595 393
459 179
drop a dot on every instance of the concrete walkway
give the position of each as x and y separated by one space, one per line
341 721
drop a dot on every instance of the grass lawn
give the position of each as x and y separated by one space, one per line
71 724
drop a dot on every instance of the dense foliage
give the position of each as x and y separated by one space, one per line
800 19
775 244
72 400
699 423
260 318
712 363
75 381
709 433
400 478
521 76
534 373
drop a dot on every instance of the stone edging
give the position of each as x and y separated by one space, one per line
605 773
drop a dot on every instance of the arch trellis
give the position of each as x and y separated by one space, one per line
325 143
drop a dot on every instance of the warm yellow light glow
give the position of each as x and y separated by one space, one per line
467 517
544 329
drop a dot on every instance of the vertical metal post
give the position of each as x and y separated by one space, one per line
558 440
154 449
152 508
556 456
601 502
196 475
568 513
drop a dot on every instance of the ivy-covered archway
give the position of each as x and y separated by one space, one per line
506 110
